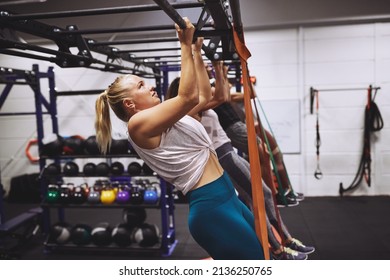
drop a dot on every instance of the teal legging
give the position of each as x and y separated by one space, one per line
221 224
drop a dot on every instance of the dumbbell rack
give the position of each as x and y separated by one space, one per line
165 204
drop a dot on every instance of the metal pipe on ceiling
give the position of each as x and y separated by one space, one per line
102 11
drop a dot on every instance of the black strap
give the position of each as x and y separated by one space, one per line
373 122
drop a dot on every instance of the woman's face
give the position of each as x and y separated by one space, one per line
143 95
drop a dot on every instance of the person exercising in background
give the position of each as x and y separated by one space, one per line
238 168
171 141
291 198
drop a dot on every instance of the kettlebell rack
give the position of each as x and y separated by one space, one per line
11 77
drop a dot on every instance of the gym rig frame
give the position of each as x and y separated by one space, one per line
223 13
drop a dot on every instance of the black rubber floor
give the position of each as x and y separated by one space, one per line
348 228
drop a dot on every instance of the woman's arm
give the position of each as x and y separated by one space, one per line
202 79
146 126
221 92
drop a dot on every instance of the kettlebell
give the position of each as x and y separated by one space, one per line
107 196
137 194
93 196
53 194
79 194
66 193
123 194
150 195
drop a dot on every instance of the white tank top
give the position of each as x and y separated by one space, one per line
182 155
214 129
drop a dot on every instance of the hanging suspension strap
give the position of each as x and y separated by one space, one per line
372 122
254 159
314 95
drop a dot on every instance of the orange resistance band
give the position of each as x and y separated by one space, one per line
254 159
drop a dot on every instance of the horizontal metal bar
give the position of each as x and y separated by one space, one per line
27 55
345 89
120 30
135 41
102 11
198 33
79 92
2 81
149 50
21 113
172 13
156 57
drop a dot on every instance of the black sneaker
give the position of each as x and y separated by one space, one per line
286 201
297 195
289 254
297 245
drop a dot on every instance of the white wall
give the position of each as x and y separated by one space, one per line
286 63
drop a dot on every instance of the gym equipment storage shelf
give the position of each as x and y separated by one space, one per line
166 236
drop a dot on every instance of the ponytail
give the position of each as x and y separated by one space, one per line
103 123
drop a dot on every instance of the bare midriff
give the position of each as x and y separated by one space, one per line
212 171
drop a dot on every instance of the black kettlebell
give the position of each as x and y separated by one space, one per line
79 194
137 194
66 193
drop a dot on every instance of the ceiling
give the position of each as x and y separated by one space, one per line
259 14
255 14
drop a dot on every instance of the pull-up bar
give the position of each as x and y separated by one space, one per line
171 12
100 11
136 41
149 50
314 91
343 89
71 30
